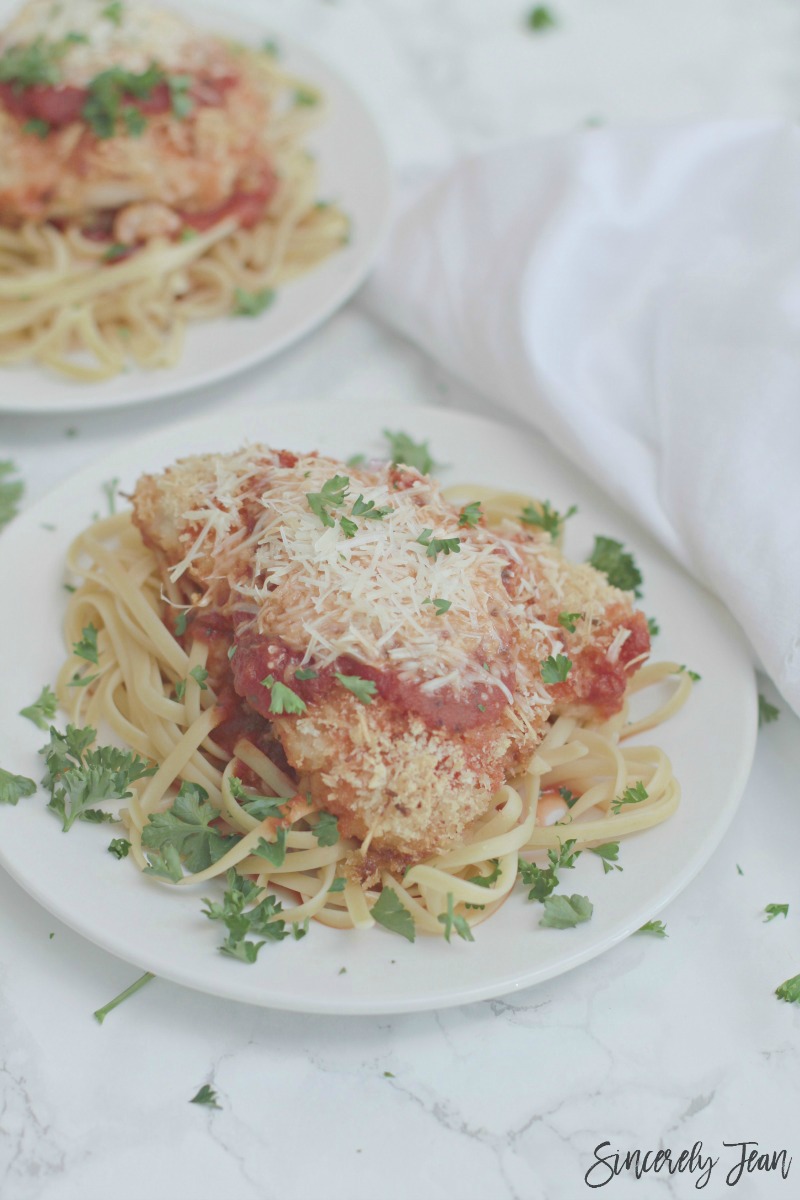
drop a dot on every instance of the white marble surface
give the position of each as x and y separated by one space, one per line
657 1042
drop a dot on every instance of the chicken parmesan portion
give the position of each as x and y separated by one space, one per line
407 657
124 119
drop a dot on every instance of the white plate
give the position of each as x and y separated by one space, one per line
354 172
711 743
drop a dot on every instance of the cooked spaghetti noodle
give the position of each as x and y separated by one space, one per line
132 692
87 306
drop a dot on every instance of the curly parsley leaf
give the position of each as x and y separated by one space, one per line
119 847
565 912
110 91
414 454
392 914
262 920
13 787
776 910
186 828
179 627
252 304
87 646
260 807
332 494
35 63
453 922
362 689
568 797
367 510
543 881
79 778
618 566
631 795
326 830
567 620
10 492
434 546
540 19
653 627
43 709
282 698
555 670
470 515
303 673
200 675
766 712
206 1096
547 518
609 853
441 606
789 990
273 852
655 928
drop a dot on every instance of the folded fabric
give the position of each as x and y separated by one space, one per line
635 294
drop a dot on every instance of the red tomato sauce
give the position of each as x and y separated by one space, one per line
596 681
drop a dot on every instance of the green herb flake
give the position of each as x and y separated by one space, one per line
119 847
179 627
555 669
78 778
338 884
43 709
766 712
392 914
441 606
789 990
619 568
87 646
206 1096
305 97
349 528
546 517
568 797
565 912
14 787
653 627
252 304
332 494
101 1013
434 546
414 454
200 675
263 919
273 852
113 12
775 910
185 832
541 19
631 795
470 515
110 489
303 673
451 922
180 95
282 698
567 620
609 853
37 127
326 830
695 678
362 689
116 251
10 492
655 928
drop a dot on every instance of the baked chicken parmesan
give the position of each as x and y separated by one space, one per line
403 657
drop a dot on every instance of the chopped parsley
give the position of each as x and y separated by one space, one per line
10 492
776 910
14 787
252 304
273 852
766 712
338 884
631 795
541 18
87 646
110 489
567 796
116 251
206 1096
184 833
79 778
262 920
470 514
367 510
179 628
259 807
453 922
303 673
441 606
567 620
695 678
434 546
270 47
305 97
362 689
36 126
565 912
113 12
789 990
36 63
349 528
546 517
656 928
119 847
180 95
326 830
619 568
108 94
200 675
355 460
332 494
392 914
653 627
609 853
544 881
485 881
282 698
414 454
101 1013
555 670
43 709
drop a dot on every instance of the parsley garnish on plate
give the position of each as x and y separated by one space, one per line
326 830
252 304
631 795
618 566
541 18
179 628
43 709
362 689
263 920
14 787
79 778
113 12
116 251
303 673
543 881
453 922
470 515
184 833
332 494
305 97
389 911
609 853
338 884
789 990
555 670
282 698
101 1013
434 545
565 912
547 518
656 928
695 678
10 492
776 910
567 620
110 489
441 606
367 510
37 126
259 807
87 646
414 454
567 796
766 712
653 627
119 847
206 1096
273 852
37 62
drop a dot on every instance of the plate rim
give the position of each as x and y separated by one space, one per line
364 1005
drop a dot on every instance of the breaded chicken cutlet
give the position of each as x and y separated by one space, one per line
393 643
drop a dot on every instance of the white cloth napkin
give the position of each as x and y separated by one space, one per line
635 294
